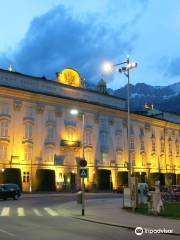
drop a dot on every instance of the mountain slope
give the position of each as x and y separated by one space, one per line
166 98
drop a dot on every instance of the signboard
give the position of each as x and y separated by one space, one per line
84 172
83 163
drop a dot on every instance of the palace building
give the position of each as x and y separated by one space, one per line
41 142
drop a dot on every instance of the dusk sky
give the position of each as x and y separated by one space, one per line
41 37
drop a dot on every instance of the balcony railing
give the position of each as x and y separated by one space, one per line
68 143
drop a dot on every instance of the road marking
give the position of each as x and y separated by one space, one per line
51 212
5 211
8 233
20 212
37 212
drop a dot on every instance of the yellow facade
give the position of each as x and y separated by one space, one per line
37 132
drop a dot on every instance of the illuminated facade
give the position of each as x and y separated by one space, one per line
38 133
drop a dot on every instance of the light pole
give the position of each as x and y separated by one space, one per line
76 112
127 66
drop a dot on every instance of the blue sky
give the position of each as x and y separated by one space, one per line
41 37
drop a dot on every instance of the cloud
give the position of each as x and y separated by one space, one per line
172 67
59 39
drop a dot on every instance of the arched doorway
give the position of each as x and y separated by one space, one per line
45 180
122 179
104 180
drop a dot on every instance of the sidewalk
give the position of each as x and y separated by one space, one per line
109 211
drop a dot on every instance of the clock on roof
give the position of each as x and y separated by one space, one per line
70 77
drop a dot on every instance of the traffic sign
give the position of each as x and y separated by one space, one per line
84 172
83 162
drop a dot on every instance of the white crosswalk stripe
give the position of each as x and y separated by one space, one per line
20 212
51 212
5 211
37 212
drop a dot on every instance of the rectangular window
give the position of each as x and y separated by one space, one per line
28 131
51 133
25 177
177 147
51 116
70 133
49 155
3 151
4 128
87 137
88 156
141 132
104 158
28 153
29 112
5 108
162 146
170 147
131 144
142 145
153 146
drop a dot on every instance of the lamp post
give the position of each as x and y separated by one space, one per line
125 69
76 112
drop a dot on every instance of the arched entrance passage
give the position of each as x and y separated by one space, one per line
170 179
45 180
11 175
157 177
122 179
141 176
178 179
104 180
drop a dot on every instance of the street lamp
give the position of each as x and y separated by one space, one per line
126 66
76 112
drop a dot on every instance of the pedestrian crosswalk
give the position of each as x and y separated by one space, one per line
22 212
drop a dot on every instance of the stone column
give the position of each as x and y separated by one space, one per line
114 174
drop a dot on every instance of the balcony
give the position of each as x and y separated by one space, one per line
68 143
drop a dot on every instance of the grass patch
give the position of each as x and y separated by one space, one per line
171 210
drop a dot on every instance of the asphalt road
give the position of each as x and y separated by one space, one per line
44 218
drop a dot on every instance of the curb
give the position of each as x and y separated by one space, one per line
117 225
